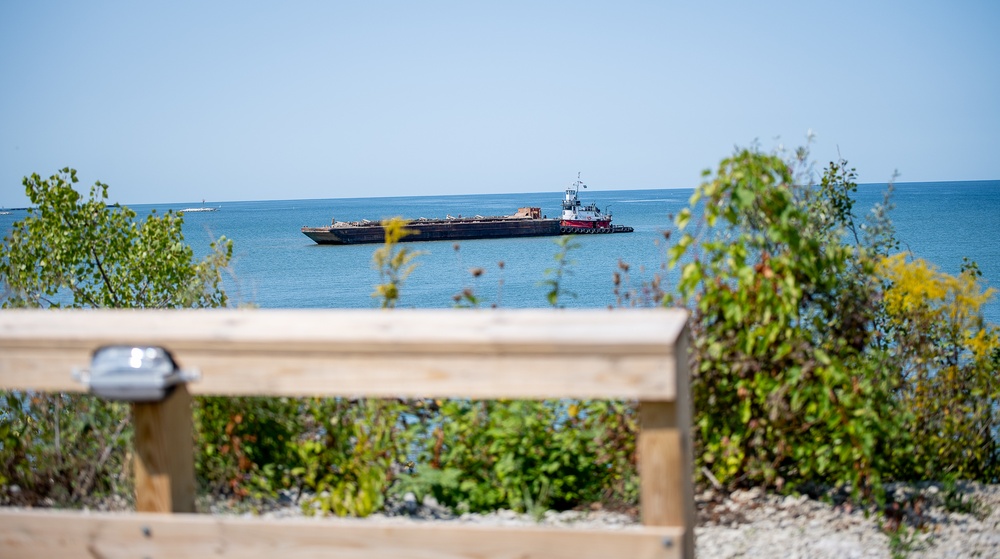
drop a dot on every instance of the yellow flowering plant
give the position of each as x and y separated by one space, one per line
946 357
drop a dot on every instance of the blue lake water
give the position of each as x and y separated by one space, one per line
276 266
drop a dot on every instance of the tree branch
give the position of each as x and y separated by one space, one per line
104 276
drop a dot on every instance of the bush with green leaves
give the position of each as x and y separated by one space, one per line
83 253
245 445
946 358
338 456
785 389
817 357
63 448
352 454
72 251
526 456
523 455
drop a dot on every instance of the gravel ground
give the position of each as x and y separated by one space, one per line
935 523
753 523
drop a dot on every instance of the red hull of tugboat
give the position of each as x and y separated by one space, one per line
586 224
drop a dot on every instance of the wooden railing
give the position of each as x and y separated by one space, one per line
631 354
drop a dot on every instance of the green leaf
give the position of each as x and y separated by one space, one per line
683 217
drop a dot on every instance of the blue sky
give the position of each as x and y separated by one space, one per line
184 101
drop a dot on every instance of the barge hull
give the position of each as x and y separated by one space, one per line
438 230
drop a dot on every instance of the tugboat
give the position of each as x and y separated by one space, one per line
577 218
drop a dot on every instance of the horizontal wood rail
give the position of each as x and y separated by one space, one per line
58 534
534 354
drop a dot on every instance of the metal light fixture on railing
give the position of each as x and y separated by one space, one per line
133 373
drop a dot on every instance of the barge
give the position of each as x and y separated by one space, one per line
526 222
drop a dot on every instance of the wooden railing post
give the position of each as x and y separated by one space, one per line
164 453
666 467
636 355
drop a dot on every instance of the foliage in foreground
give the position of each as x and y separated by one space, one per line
781 313
78 252
527 456
818 358
945 358
393 262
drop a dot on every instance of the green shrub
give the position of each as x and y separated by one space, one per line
72 251
244 446
817 359
350 457
784 388
527 456
73 449
944 354
83 253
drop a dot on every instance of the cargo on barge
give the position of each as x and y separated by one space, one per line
526 222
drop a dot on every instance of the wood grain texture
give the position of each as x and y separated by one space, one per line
418 353
633 354
164 454
45 534
666 454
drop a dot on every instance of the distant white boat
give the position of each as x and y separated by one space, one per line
203 208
